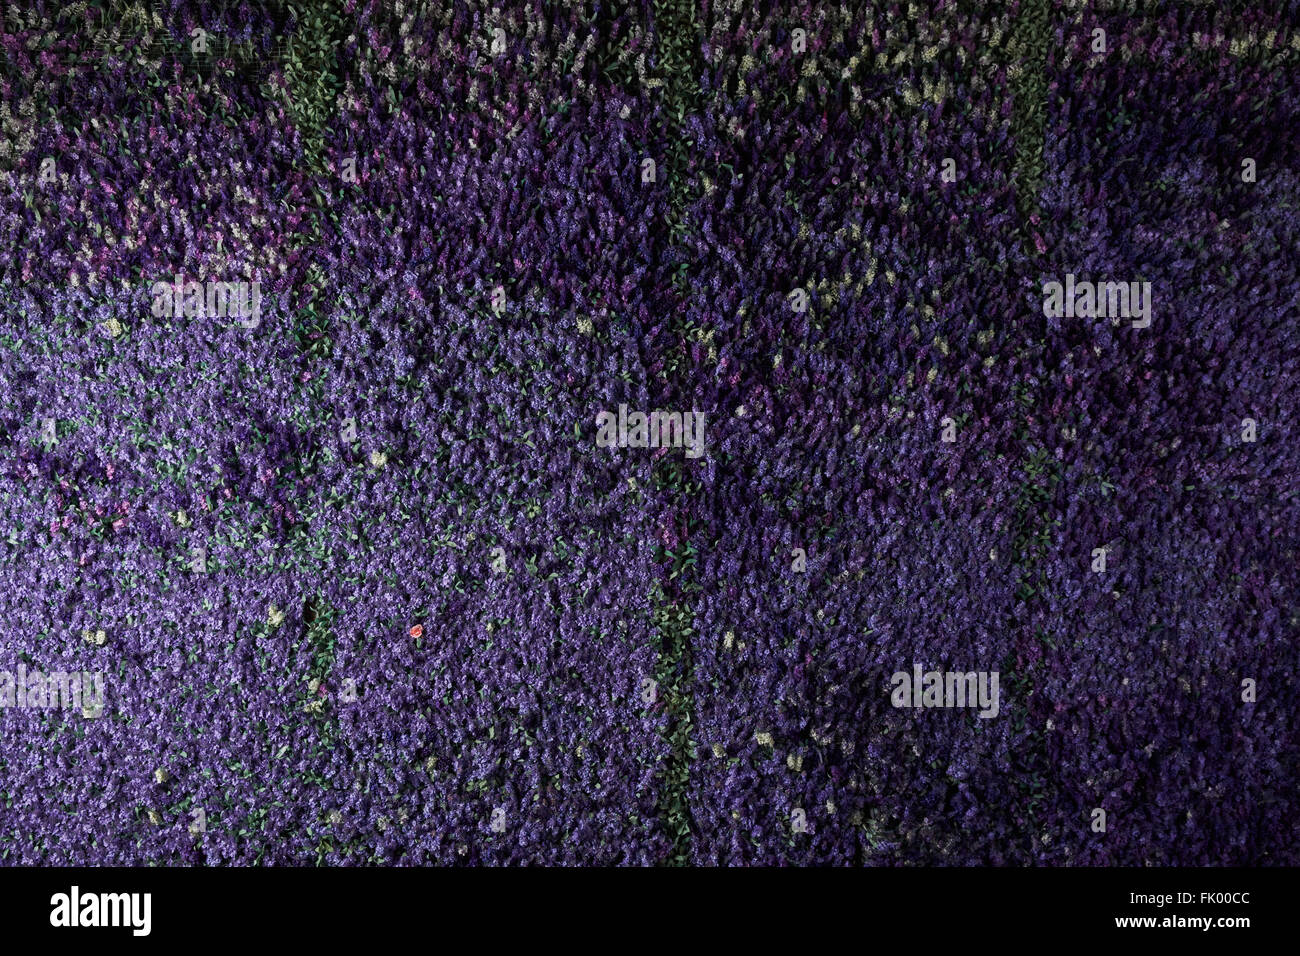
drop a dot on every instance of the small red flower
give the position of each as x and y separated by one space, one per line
417 630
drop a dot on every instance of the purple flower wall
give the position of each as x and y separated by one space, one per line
361 581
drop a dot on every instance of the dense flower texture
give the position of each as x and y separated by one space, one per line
363 585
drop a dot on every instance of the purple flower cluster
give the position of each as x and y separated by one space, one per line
363 588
